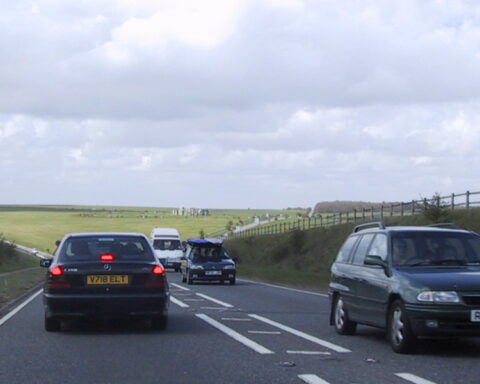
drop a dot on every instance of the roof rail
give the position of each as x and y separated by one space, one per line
378 224
445 225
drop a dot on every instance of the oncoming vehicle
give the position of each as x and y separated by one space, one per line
105 275
415 282
207 260
167 246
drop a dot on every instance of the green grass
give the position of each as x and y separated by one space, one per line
40 226
19 261
303 258
15 284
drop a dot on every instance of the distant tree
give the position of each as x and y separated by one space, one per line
435 209
202 233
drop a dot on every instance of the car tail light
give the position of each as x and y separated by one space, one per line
56 271
107 257
158 270
57 284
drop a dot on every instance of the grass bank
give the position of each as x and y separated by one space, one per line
303 258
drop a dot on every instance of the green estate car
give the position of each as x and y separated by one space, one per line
415 282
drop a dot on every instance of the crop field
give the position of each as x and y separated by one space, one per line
41 226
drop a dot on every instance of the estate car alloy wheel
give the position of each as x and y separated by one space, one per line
400 334
343 325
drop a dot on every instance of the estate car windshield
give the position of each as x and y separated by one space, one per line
170 245
427 248
88 248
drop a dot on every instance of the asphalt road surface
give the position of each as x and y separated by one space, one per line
246 333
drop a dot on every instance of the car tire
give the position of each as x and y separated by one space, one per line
189 278
399 331
160 323
232 281
343 325
184 278
52 324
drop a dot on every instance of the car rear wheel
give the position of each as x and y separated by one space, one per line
399 331
343 325
189 278
160 322
52 324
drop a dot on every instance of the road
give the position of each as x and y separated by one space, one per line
247 333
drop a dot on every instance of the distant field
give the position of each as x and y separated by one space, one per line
40 226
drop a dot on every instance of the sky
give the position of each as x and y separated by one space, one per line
237 103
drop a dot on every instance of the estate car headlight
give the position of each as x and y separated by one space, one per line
196 267
438 297
230 266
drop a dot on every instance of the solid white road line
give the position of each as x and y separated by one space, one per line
180 287
193 300
226 305
285 288
413 379
308 353
214 308
235 335
312 379
19 307
265 332
303 335
178 302
235 319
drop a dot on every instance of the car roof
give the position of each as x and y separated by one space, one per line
207 241
412 229
90 234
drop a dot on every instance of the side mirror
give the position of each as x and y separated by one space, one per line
57 243
45 263
375 260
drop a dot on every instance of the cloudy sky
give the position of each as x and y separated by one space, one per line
237 103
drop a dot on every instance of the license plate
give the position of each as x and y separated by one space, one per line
475 315
213 273
107 279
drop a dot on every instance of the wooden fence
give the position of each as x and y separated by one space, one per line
453 201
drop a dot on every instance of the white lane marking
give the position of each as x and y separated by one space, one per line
19 307
235 335
217 308
193 300
180 287
303 335
285 288
215 300
312 379
265 332
413 378
308 353
178 302
235 319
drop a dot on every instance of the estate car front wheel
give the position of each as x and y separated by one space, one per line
343 325
399 331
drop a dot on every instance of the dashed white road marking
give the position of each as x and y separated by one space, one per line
219 302
214 308
312 379
180 287
178 302
235 319
265 332
308 353
285 288
235 335
193 300
413 379
19 307
301 334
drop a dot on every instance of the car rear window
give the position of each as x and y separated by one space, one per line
169 245
204 254
127 248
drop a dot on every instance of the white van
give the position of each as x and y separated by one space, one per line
167 246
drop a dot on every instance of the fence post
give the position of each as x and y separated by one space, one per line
413 207
391 210
372 214
321 221
452 201
363 213
355 215
438 200
468 200
401 208
381 212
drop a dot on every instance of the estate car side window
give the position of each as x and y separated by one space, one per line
346 249
379 247
361 251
